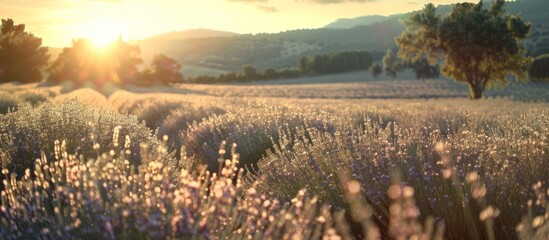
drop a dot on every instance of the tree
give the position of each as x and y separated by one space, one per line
539 69
163 70
423 70
390 64
376 70
84 63
479 46
305 65
270 73
249 72
22 57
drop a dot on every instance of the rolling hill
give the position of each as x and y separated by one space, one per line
353 22
216 50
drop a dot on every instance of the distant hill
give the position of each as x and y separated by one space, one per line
353 22
531 10
193 33
214 51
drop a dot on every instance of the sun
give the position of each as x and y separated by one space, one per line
102 32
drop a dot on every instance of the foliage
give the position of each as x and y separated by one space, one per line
253 132
82 130
270 73
115 202
433 163
8 103
248 73
14 100
391 64
461 164
168 116
539 69
423 70
337 62
479 46
376 70
163 70
289 73
85 64
22 58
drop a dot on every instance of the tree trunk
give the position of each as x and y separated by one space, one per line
475 91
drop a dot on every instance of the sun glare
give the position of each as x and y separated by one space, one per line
102 32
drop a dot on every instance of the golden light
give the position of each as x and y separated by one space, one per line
101 32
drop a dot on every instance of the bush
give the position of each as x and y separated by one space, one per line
168 116
254 132
17 98
8 103
435 166
106 199
115 202
80 129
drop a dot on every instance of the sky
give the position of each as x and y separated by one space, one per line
57 22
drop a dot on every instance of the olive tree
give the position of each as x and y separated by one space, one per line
477 45
22 56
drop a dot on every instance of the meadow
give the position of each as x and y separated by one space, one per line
389 159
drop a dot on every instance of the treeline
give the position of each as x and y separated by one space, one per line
248 73
539 69
319 64
338 62
24 59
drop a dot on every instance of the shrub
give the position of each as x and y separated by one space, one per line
35 97
8 103
18 98
81 129
435 166
105 199
253 131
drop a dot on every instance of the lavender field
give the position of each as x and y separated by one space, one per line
181 163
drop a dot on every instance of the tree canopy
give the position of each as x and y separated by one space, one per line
22 56
163 70
84 63
376 70
479 46
390 64
423 70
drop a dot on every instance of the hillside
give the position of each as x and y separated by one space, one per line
279 50
192 33
215 50
353 22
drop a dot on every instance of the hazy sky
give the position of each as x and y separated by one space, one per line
57 22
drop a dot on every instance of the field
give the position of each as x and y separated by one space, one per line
330 157
361 85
